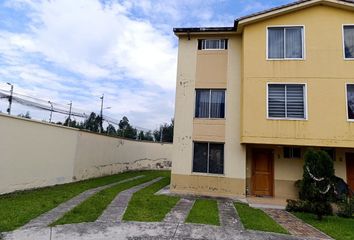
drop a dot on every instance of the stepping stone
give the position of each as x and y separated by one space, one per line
180 212
115 210
294 225
49 217
228 215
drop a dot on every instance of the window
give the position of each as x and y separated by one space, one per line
348 33
285 43
212 44
292 152
286 101
350 101
210 103
208 158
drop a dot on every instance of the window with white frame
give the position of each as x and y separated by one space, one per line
292 152
285 42
212 44
350 101
286 101
210 103
208 157
348 34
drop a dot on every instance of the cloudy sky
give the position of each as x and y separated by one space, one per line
75 50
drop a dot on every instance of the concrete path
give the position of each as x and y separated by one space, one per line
179 213
140 230
228 215
294 225
56 213
115 210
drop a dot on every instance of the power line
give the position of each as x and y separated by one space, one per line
53 107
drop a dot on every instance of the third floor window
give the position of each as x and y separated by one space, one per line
285 43
348 33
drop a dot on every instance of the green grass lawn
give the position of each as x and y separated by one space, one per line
334 226
204 211
147 207
16 209
256 219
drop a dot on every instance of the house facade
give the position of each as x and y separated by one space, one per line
251 98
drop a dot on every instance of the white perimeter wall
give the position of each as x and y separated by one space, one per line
35 154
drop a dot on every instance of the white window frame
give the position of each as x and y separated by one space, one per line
207 173
345 58
214 49
346 101
210 89
286 118
287 59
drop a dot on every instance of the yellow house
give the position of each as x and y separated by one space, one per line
252 98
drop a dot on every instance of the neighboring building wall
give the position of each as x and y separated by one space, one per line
216 70
288 171
35 154
324 70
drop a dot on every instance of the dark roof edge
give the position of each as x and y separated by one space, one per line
204 29
280 7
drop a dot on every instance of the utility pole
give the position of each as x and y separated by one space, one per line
101 114
51 111
10 98
71 105
161 135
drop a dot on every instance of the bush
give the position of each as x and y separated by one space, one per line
346 207
317 208
316 187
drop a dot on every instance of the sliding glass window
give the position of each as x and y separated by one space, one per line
210 103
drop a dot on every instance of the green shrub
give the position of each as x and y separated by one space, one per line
316 189
346 207
323 208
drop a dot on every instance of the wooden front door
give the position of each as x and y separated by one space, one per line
262 172
349 158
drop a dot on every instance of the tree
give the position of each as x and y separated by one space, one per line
111 130
147 136
167 132
26 115
126 130
92 123
317 185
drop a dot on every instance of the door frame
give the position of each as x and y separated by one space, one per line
271 171
346 165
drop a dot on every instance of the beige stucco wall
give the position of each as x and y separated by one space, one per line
323 70
98 155
208 69
36 154
33 154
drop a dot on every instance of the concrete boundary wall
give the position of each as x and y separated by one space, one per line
36 154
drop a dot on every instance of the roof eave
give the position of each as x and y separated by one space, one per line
256 17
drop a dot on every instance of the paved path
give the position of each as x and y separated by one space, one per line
179 213
56 213
228 215
140 230
294 225
115 210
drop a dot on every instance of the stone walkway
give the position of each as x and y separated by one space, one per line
109 226
294 225
228 215
141 230
115 210
179 213
56 213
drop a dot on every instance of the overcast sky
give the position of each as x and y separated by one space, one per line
75 50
